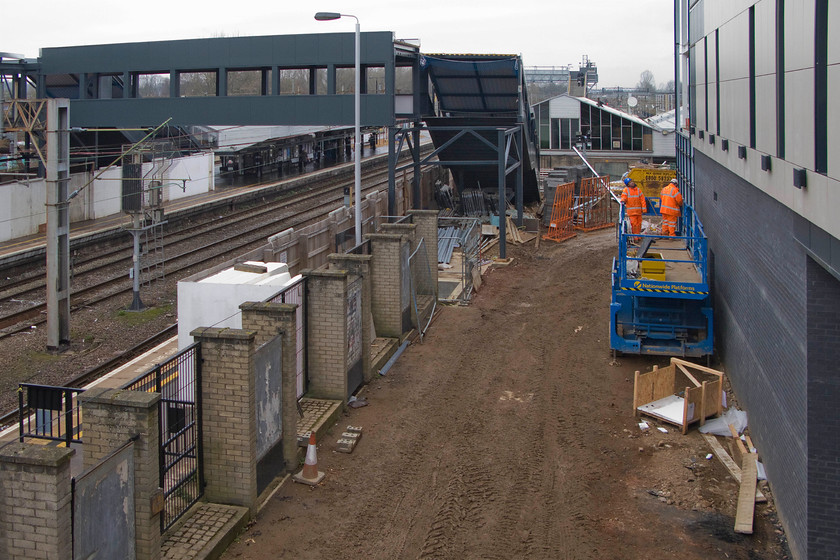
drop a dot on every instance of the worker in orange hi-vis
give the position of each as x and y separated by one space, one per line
670 205
634 204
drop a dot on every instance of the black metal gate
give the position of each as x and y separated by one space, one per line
178 380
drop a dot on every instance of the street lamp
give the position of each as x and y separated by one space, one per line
357 196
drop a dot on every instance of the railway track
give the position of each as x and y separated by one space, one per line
99 271
234 235
98 371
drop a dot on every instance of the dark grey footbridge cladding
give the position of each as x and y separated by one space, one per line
102 80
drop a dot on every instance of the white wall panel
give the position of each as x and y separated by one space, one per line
197 168
735 48
833 120
564 107
22 208
712 86
107 191
718 12
735 110
664 145
834 32
799 118
765 114
799 35
765 38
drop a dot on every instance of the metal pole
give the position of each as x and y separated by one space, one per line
58 223
358 131
500 147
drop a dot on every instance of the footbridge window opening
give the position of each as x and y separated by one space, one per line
110 86
295 81
248 82
321 85
374 80
345 80
403 80
152 85
198 84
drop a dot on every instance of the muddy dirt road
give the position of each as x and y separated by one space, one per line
508 434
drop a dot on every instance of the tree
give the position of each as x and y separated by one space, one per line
646 81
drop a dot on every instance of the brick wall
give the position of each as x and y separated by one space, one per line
823 420
267 320
229 416
110 418
35 506
386 283
773 352
326 323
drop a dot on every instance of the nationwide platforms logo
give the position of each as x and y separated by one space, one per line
645 286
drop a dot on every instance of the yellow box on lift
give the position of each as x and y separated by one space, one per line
653 269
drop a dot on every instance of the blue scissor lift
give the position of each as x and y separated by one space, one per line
661 303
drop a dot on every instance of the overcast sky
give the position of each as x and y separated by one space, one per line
623 37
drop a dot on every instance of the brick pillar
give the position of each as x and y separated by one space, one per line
407 230
326 316
427 228
268 320
35 507
386 283
110 417
229 415
359 265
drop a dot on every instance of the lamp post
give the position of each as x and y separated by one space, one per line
357 196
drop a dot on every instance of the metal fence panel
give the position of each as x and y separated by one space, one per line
423 289
268 363
355 374
103 508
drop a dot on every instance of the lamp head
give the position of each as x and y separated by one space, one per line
327 16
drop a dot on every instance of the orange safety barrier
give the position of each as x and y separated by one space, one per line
593 209
561 228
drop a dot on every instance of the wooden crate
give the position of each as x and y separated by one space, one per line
679 400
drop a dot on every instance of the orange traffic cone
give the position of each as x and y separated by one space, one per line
310 474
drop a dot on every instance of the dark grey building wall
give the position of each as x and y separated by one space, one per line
823 419
760 274
777 311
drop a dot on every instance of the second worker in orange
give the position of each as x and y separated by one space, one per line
670 205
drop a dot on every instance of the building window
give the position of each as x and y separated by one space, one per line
595 129
568 129
555 134
545 132
821 87
706 78
752 76
780 79
717 81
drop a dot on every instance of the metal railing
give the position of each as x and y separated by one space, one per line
178 380
49 413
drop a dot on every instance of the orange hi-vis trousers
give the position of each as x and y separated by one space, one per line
669 224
